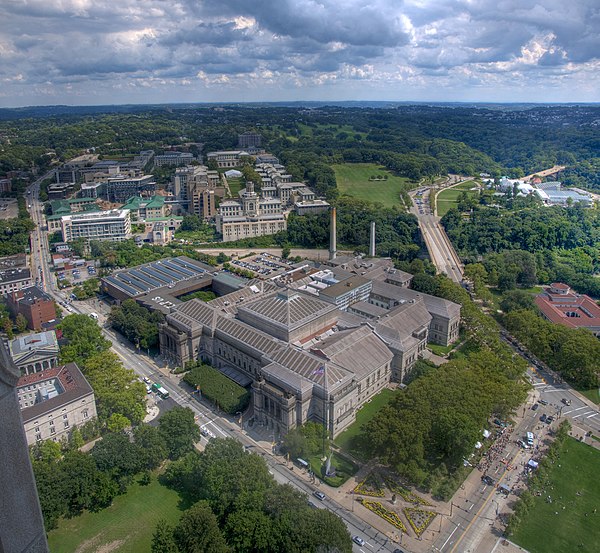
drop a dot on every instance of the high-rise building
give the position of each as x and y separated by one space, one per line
113 225
250 216
249 140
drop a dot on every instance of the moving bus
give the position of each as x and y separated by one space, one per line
156 387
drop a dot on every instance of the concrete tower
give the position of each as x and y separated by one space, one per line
21 523
372 242
332 236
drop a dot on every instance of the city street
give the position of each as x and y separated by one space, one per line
441 251
471 522
220 425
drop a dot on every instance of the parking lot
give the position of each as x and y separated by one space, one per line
264 264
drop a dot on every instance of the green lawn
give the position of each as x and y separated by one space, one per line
545 531
353 179
440 350
127 525
348 440
447 199
343 467
235 185
592 395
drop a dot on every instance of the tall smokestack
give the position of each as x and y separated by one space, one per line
332 236
372 244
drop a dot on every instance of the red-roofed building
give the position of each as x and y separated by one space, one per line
53 402
562 306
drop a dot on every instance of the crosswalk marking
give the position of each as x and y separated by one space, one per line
582 414
573 410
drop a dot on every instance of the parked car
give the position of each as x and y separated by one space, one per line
535 407
543 402
488 480
319 495
543 418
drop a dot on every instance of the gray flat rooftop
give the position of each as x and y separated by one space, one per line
165 272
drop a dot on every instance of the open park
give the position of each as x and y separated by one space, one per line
127 525
566 516
447 199
371 182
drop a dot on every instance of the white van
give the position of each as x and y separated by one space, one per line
530 437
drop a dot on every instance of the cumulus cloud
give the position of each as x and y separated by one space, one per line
98 51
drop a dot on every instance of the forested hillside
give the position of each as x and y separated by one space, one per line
415 141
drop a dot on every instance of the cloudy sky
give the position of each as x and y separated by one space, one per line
146 51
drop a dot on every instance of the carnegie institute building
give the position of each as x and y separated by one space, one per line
308 352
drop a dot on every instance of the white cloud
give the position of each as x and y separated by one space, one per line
95 51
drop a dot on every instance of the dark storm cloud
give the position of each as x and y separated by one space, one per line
214 34
347 21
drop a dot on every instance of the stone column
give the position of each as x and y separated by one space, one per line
21 523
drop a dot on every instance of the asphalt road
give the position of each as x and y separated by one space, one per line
221 426
469 522
441 251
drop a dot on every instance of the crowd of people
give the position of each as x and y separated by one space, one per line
496 450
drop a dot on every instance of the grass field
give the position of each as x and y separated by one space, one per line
353 179
592 395
126 526
347 440
440 350
235 185
343 467
447 199
550 528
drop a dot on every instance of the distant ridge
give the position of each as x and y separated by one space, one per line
65 110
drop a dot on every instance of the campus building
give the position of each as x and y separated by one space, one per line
54 401
35 305
142 209
250 216
197 188
309 353
34 353
119 189
113 225
173 159
14 279
228 158
249 140
559 304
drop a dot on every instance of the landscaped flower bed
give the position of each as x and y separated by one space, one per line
371 485
404 493
419 519
385 514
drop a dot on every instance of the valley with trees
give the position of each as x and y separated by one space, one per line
364 162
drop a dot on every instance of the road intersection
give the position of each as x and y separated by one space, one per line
471 521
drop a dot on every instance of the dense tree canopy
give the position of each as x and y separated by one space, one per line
117 390
138 324
179 431
574 353
253 513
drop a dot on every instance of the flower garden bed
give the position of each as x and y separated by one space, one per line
371 485
404 493
419 519
385 514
